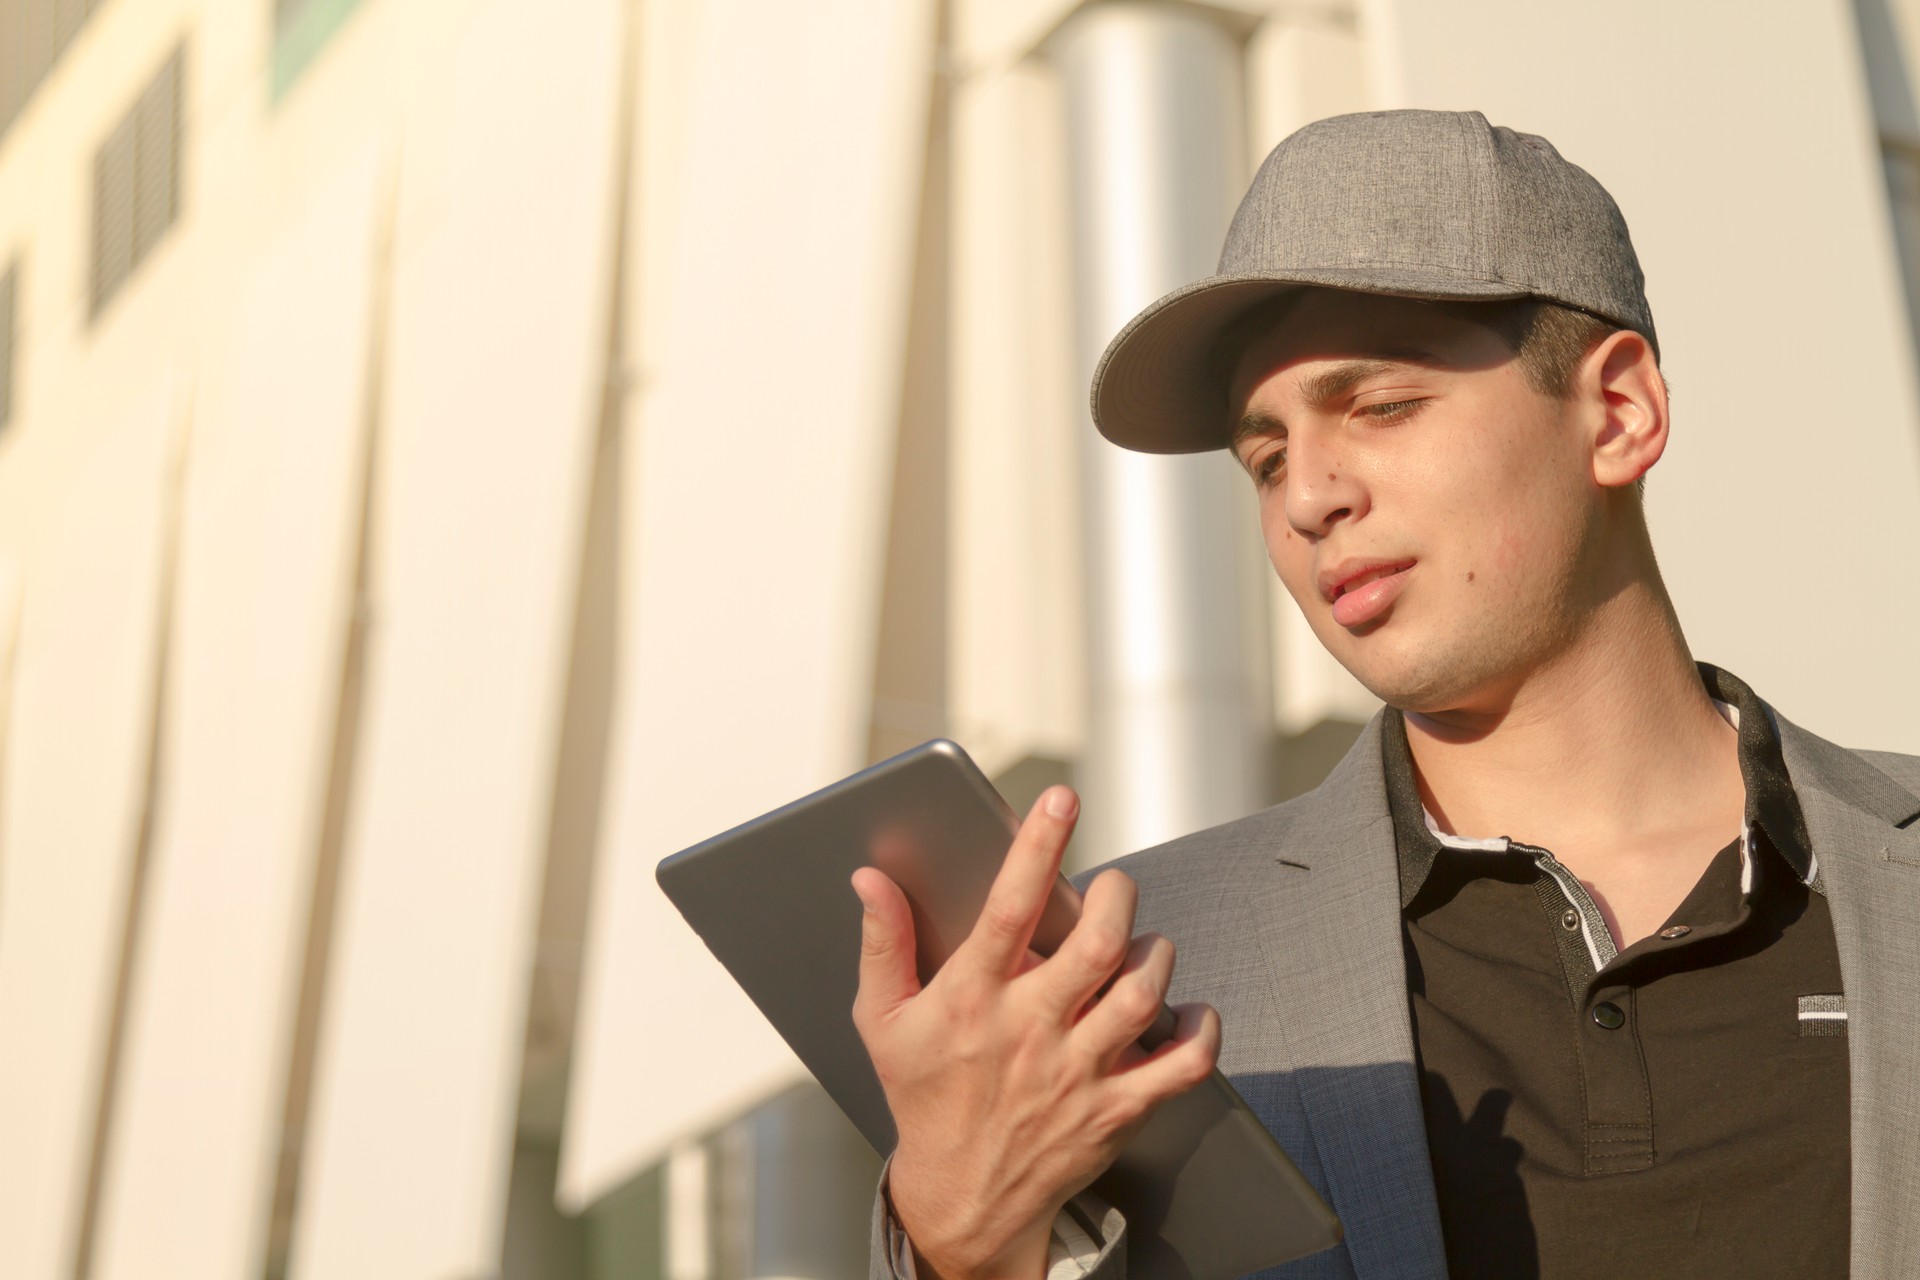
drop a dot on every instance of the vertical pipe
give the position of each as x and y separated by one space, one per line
813 1177
1178 723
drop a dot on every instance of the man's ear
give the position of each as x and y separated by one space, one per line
1622 380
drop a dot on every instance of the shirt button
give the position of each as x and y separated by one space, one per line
1607 1014
1676 931
1570 921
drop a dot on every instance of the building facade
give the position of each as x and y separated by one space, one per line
455 453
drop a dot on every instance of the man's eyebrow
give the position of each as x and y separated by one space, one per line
1256 422
1330 384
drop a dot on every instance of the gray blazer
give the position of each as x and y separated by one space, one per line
1288 922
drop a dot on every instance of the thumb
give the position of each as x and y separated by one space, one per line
889 973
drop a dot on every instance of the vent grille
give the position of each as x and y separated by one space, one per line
136 182
33 35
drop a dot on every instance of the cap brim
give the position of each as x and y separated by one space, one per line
1159 387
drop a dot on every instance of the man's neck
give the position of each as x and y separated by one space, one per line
1612 746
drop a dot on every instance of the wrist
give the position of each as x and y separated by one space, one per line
952 1238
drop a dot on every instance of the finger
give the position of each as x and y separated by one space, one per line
889 972
1121 1016
1186 1059
998 943
1095 949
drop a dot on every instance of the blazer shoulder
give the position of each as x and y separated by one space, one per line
1210 853
1903 769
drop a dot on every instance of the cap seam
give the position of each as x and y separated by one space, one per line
1485 232
1396 262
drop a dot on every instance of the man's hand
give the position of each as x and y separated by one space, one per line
1011 1085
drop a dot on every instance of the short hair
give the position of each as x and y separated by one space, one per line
1549 339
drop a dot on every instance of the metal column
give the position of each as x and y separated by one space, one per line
1179 720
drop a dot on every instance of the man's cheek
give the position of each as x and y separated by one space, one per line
1509 551
1285 552
1293 564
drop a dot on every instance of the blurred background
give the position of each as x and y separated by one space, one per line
454 453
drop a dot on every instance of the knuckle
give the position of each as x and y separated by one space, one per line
1001 917
966 1003
967 1050
1123 1108
1133 1005
1197 1065
1103 947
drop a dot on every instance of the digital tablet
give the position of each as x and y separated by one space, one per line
1207 1193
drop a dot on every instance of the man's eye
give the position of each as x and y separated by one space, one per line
1268 467
1391 412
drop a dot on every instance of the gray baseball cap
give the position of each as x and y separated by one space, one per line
1417 204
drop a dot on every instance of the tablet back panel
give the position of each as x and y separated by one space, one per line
1207 1193
772 900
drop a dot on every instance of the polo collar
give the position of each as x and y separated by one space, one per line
1772 808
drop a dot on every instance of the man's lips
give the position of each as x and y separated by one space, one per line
1361 590
1337 580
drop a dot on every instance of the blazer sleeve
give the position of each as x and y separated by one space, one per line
1089 1241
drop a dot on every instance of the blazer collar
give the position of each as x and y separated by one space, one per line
1327 908
1843 777
1864 835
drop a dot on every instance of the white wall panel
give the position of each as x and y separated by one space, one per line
1788 505
268 529
756 513
1018 684
496 345
9 633
75 790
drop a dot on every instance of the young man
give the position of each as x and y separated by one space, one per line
1583 962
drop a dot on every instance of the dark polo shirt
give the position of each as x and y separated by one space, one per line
1677 1108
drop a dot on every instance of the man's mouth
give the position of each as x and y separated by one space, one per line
1357 574
1361 591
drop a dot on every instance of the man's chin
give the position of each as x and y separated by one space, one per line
1412 677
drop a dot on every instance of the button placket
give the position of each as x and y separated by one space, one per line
1617 1134
1619 1127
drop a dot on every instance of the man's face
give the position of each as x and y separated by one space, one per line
1434 516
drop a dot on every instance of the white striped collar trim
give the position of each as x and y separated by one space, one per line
1500 844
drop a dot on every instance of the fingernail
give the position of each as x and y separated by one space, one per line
1061 802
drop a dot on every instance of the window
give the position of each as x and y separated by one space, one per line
136 182
7 330
300 28
33 35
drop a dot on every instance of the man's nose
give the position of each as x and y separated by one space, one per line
1322 487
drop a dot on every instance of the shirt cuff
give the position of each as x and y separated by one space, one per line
1072 1251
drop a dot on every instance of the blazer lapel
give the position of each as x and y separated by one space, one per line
1863 832
1327 914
